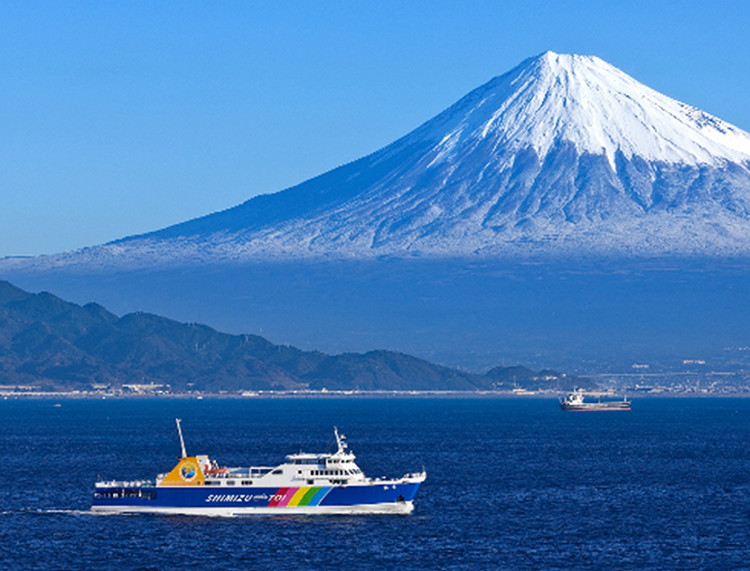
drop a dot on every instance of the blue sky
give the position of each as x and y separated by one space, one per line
124 117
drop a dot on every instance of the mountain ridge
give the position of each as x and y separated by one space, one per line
48 342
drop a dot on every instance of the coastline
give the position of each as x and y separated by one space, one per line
346 394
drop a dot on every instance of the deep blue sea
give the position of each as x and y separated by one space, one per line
512 484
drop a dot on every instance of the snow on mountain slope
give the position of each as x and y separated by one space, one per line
562 154
596 107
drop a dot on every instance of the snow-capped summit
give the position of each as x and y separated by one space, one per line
599 109
563 154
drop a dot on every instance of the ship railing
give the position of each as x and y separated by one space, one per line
237 475
124 484
406 478
255 472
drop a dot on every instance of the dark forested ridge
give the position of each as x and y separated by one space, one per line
48 342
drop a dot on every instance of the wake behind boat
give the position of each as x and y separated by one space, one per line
329 483
575 402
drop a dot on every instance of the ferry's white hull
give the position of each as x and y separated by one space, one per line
392 508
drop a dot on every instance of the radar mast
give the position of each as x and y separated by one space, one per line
182 442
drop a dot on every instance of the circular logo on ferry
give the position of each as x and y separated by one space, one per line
188 471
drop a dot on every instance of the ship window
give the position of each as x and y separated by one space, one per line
109 494
230 483
247 482
277 471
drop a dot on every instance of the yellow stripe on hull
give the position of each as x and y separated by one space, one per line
297 497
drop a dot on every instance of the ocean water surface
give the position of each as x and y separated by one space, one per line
511 484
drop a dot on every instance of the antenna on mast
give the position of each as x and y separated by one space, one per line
182 442
340 441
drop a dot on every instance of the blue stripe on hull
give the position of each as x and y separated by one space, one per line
319 495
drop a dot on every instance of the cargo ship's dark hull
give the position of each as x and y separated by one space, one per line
596 406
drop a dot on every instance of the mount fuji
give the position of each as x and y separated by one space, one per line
562 154
563 210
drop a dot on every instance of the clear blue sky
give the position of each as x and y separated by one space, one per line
122 117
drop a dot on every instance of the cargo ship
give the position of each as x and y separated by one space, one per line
576 402
307 483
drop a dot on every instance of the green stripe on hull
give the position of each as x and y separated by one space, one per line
309 495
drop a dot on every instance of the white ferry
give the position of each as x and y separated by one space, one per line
322 483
